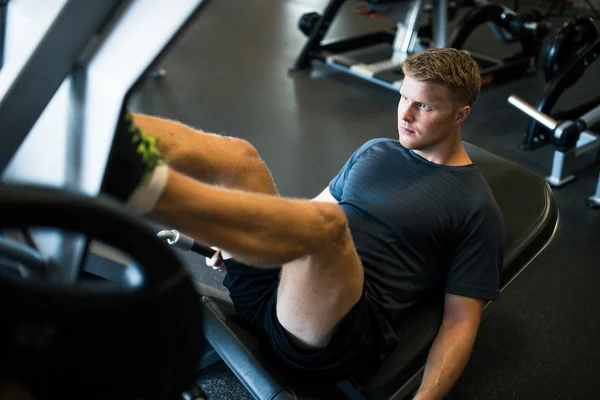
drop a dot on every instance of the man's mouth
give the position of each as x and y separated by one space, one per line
407 131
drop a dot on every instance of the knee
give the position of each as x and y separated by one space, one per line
246 156
244 150
251 171
334 224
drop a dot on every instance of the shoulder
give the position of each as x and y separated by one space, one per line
482 206
382 145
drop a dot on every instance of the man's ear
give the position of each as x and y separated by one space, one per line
462 114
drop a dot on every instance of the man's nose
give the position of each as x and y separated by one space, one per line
404 112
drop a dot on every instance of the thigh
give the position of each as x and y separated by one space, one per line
353 351
317 291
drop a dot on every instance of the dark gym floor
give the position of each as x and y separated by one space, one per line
229 74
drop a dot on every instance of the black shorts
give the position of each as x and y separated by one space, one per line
355 349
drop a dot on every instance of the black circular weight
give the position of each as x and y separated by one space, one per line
22 260
568 40
308 21
97 339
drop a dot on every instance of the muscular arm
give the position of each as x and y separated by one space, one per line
211 158
452 347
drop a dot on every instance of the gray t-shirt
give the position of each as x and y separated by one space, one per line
419 227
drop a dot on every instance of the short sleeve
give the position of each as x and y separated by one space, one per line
479 255
336 186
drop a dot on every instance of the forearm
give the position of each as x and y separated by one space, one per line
208 157
255 228
446 360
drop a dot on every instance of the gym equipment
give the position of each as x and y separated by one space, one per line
3 11
158 73
567 42
194 393
81 61
378 57
136 338
573 142
563 3
527 28
531 217
575 47
29 263
69 69
183 242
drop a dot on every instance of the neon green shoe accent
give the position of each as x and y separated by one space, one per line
146 147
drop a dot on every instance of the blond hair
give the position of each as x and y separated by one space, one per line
452 68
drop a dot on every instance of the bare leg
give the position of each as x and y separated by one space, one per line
322 277
317 291
220 160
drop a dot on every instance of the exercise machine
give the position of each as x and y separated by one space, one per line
60 98
137 337
568 40
3 12
572 139
529 231
378 57
69 68
508 26
74 65
572 49
563 4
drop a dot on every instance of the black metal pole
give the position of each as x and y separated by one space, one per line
318 33
3 11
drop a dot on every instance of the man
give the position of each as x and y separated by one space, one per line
331 282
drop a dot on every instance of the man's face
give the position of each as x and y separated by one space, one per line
426 115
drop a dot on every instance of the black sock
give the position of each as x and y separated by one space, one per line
132 159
